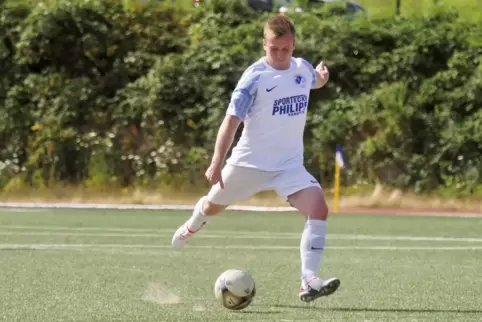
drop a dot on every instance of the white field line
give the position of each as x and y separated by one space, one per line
235 235
147 235
120 229
248 247
137 230
8 209
69 205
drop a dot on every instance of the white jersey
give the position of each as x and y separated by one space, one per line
273 105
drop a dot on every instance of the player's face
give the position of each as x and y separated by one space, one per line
279 50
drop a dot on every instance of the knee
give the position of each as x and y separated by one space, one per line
311 203
211 209
320 211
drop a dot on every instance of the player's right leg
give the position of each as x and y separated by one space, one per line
240 183
202 210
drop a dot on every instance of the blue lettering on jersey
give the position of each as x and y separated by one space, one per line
291 106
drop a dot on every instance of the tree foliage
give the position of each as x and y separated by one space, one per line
101 93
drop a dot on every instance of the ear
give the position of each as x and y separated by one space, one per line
264 44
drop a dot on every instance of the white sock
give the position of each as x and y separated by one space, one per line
311 249
198 218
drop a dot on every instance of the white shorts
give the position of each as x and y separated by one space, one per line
240 183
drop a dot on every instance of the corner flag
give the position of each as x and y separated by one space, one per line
339 164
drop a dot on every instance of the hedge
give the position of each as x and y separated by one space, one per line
103 93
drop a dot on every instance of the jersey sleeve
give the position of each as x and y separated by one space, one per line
244 94
312 72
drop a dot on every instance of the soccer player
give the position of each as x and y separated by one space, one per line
271 98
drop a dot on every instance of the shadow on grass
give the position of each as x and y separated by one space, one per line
362 309
259 312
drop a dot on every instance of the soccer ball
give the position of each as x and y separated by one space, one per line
235 289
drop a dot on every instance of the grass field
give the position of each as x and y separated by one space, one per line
105 265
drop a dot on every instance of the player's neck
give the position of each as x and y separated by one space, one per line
278 66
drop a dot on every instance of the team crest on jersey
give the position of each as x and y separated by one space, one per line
300 80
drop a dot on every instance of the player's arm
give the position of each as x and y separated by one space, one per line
320 74
239 107
225 138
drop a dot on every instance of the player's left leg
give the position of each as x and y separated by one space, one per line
304 193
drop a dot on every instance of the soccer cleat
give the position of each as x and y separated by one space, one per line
317 288
182 235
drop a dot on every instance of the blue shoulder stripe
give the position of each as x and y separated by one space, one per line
245 92
312 71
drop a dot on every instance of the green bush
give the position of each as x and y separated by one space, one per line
105 93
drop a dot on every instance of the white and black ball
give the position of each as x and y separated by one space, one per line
235 289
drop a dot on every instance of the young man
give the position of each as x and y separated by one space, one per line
271 98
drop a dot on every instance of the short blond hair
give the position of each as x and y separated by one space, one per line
280 26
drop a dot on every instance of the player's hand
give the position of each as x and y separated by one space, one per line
213 174
323 72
